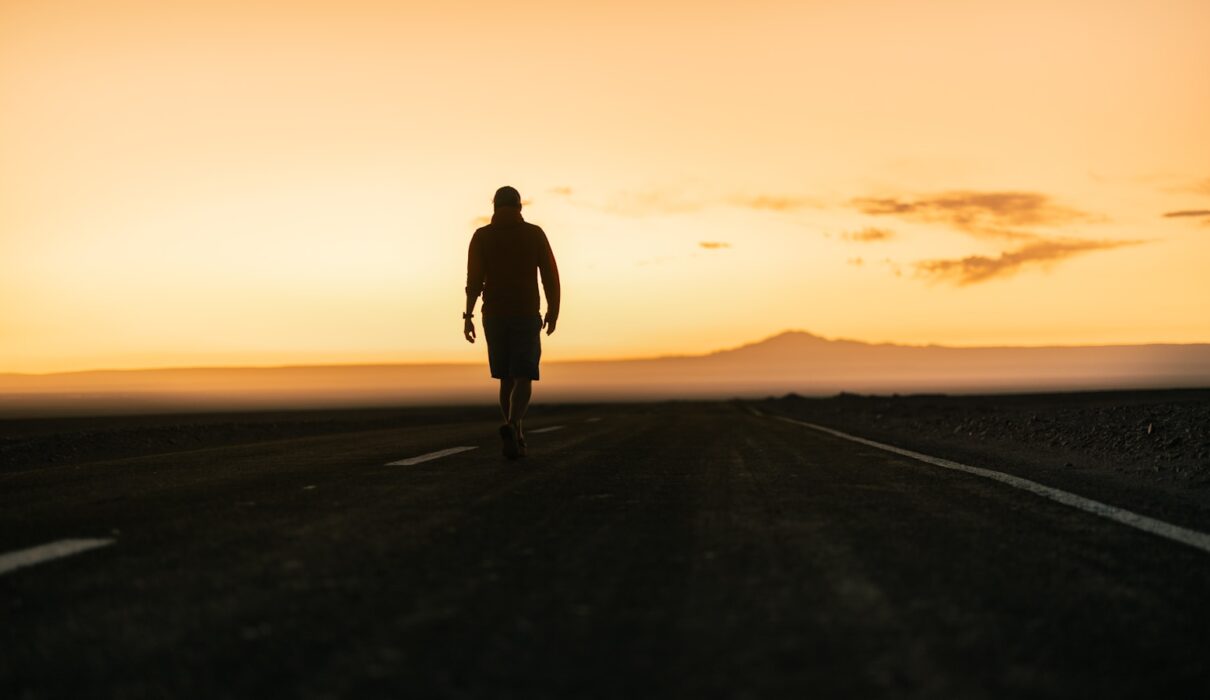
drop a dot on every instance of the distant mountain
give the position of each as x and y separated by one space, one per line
804 351
808 364
794 361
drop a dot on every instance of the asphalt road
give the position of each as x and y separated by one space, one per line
677 550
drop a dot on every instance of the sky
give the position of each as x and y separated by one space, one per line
261 183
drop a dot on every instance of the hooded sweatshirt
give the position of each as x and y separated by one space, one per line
503 263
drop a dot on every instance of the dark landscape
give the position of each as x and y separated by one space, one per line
643 549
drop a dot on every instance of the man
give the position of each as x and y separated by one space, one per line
503 263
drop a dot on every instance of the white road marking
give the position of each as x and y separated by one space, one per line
593 420
431 455
550 429
756 412
47 552
1176 533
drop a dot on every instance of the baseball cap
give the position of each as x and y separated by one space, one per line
507 197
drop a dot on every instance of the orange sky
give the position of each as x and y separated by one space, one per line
209 182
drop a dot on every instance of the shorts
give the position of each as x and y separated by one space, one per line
514 345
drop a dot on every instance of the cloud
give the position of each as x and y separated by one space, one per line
1203 214
983 214
868 235
666 201
774 203
713 245
855 262
1202 187
651 203
562 191
973 269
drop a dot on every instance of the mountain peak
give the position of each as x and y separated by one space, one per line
786 341
793 335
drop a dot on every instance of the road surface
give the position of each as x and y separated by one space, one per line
671 550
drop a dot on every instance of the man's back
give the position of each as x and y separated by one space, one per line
502 261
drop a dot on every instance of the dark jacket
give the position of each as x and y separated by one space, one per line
503 263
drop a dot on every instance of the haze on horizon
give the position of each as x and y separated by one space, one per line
213 183
792 362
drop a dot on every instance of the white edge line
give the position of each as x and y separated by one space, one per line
48 552
549 429
430 455
1176 533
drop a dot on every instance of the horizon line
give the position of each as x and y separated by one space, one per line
673 356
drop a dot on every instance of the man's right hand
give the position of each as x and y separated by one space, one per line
468 330
549 323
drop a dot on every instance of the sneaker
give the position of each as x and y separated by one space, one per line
508 440
521 451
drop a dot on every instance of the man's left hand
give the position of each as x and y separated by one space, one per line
549 323
468 330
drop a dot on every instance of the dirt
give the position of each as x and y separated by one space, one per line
1162 435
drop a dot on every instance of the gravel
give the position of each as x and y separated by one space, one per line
1164 434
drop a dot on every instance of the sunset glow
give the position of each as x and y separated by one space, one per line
263 183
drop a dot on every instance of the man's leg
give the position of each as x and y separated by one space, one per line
509 435
523 388
506 397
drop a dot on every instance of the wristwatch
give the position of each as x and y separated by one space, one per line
467 316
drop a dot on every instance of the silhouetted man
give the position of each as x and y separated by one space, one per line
503 263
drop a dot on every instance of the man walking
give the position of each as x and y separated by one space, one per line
503 263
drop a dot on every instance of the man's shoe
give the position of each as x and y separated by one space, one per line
508 440
521 451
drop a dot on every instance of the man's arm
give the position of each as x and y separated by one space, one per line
474 285
549 270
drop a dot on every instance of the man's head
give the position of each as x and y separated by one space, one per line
507 198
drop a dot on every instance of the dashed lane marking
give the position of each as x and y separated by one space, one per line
549 429
47 552
430 455
1176 533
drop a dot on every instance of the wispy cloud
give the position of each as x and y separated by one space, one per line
973 269
983 214
1203 214
778 203
855 262
1003 215
668 201
868 235
654 202
713 245
562 191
